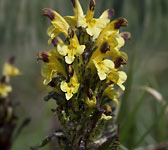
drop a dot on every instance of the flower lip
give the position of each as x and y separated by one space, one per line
48 12
71 32
92 5
121 22
55 41
120 61
105 47
12 60
110 13
43 56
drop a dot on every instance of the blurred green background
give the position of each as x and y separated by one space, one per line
142 116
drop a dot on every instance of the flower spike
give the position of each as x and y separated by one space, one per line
84 71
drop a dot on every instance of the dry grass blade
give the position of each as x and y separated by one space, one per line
156 95
161 145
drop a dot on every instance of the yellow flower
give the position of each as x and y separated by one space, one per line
104 117
107 46
58 22
93 26
71 50
51 66
111 93
70 87
61 26
118 77
10 70
4 90
91 102
104 67
112 28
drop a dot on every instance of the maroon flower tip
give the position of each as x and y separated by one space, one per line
126 35
120 61
12 60
73 3
43 56
3 79
105 47
110 13
107 109
55 41
48 12
92 5
121 22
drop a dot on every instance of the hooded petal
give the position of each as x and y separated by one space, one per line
57 20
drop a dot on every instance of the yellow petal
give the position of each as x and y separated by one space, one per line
10 70
104 68
71 20
104 117
77 8
91 102
47 73
52 32
68 95
120 42
90 11
4 90
80 50
108 63
104 19
64 86
122 79
69 59
113 76
62 49
111 93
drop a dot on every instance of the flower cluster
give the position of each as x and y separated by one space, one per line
83 68
8 71
7 107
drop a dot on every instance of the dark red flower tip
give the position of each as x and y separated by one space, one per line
12 60
48 12
120 61
121 22
92 5
3 79
110 13
55 41
73 3
43 56
105 47
126 35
